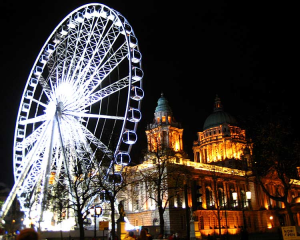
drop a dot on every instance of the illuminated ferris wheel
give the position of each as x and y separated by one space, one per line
82 99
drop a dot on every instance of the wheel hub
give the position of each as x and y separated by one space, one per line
59 109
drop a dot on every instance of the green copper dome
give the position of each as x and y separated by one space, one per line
218 117
163 105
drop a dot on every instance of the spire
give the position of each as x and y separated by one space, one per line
218 105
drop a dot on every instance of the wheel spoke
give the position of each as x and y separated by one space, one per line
33 120
103 45
21 175
39 102
94 140
107 91
100 73
89 115
45 86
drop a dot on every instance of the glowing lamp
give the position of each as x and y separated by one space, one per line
98 210
248 195
92 211
234 196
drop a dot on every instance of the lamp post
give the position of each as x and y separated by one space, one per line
96 211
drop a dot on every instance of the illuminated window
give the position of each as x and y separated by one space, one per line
158 119
169 119
163 119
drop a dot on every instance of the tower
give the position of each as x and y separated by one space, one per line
164 131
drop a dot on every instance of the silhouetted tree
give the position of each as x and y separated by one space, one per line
275 155
164 180
112 181
73 191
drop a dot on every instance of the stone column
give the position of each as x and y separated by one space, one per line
195 156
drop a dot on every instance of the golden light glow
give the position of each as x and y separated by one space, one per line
266 206
51 178
145 206
232 231
269 225
177 146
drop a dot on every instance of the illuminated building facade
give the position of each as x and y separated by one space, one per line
230 199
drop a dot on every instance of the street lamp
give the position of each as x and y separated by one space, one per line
96 211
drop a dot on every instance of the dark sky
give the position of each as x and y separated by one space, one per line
244 51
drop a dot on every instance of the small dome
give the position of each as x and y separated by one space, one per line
163 105
218 117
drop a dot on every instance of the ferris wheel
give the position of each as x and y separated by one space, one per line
82 100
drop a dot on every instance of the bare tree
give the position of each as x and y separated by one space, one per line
276 157
112 182
73 193
165 179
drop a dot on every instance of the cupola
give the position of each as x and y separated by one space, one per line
218 117
163 112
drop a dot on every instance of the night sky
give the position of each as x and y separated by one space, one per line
244 51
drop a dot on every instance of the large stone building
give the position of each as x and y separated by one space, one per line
228 197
